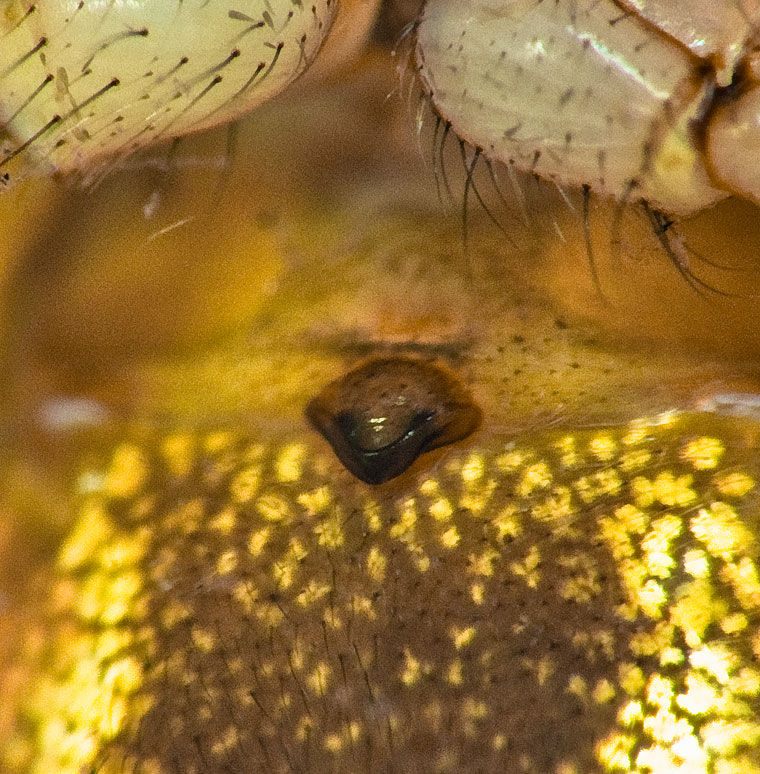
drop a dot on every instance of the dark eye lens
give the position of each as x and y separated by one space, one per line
381 417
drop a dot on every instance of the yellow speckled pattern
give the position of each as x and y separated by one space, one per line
578 603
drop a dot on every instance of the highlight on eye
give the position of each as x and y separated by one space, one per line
379 418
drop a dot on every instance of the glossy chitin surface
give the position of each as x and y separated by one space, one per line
715 30
80 81
576 602
582 93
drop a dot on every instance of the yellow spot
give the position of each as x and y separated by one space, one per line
700 697
363 605
671 491
93 529
544 670
285 569
567 447
353 731
173 613
450 538
289 464
630 713
637 433
225 521
430 487
227 563
482 564
558 506
671 655
412 669
510 461
319 678
651 643
583 585
128 472
204 640
721 531
419 557
536 476
333 743
656 545
216 442
614 753
332 619
660 691
734 484
603 447
703 453
258 540
245 484
296 657
372 516
474 709
179 453
603 692
746 682
110 642
716 660
304 728
273 507
528 567
643 491
741 764
404 527
330 531
440 509
376 564
462 637
473 468
631 678
735 623
187 517
602 483
696 563
507 523
226 742
312 593
476 498
454 673
269 615
109 599
636 459
499 742
743 577
315 502
728 736
477 593
577 686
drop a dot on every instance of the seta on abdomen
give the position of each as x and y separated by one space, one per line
580 602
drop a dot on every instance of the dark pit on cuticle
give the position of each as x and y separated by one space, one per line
380 417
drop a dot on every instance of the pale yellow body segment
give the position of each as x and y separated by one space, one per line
84 81
616 96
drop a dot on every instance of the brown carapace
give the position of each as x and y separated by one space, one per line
380 417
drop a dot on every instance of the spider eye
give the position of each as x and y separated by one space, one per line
379 418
